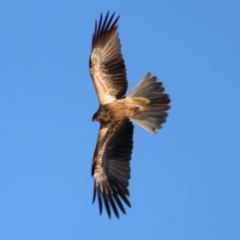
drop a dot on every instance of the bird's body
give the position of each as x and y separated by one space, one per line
146 105
122 109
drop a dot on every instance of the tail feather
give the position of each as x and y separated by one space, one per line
149 88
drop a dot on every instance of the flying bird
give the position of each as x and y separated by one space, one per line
146 105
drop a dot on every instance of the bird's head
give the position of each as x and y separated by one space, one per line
102 115
97 114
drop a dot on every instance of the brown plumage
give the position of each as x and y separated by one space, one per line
146 105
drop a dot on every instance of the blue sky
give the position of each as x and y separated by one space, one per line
185 181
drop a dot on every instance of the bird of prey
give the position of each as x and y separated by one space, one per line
146 105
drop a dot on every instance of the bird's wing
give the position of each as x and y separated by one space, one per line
106 63
111 166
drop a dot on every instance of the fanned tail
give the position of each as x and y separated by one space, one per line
149 88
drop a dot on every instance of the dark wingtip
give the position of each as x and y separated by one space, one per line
110 198
103 25
100 203
108 209
94 193
112 203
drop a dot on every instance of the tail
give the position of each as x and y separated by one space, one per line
149 88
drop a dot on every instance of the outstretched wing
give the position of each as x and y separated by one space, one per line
111 166
107 66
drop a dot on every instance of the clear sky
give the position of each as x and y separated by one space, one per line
185 182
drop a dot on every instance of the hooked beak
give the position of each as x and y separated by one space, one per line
94 118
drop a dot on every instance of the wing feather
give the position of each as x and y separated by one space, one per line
107 66
111 166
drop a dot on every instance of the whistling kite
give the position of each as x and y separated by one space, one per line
146 105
